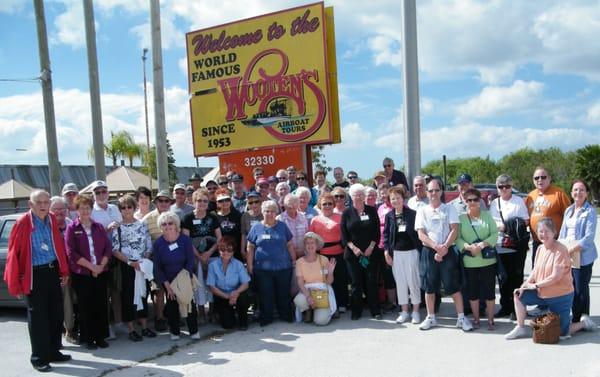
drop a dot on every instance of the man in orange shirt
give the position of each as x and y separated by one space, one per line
546 200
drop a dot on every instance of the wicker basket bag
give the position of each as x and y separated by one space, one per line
546 328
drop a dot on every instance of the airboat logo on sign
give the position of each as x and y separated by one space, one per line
262 82
276 96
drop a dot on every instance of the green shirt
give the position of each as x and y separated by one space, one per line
486 230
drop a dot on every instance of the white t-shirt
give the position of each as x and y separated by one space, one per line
436 221
106 216
414 203
514 207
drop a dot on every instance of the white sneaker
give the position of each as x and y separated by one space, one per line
195 335
342 309
403 317
464 323
174 337
564 337
588 323
428 323
416 318
517 332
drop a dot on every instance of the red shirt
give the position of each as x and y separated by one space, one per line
329 229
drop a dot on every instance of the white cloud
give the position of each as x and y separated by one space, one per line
11 6
70 25
593 114
495 100
354 137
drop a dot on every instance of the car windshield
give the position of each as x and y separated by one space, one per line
6 227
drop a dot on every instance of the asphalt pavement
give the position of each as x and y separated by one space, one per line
343 348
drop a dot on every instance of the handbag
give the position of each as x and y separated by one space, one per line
546 328
576 256
488 252
516 236
320 296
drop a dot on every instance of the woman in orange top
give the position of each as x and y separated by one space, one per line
550 284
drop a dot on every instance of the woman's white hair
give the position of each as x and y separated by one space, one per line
291 200
303 191
283 184
167 216
269 204
356 188
369 190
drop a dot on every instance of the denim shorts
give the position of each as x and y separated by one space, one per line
434 273
560 305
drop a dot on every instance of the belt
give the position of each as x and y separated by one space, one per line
334 243
45 266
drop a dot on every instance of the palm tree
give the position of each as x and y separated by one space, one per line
134 151
119 145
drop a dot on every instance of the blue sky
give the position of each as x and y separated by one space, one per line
495 75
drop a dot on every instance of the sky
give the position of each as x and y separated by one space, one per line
495 76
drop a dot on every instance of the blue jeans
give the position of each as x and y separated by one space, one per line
273 289
581 283
560 305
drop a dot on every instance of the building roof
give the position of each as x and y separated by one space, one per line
14 190
124 179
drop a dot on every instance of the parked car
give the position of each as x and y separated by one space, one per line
6 224
488 193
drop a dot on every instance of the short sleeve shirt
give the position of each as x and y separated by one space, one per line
202 231
271 252
514 207
312 272
227 281
436 221
248 221
106 216
134 240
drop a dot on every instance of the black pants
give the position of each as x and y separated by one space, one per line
129 310
363 277
273 289
227 312
514 264
173 316
340 280
534 246
92 296
44 315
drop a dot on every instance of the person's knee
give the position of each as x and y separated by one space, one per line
301 302
321 317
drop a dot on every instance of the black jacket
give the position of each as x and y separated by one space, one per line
390 229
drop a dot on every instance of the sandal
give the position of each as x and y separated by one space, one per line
491 326
476 324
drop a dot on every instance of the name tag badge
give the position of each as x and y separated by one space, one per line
364 218
253 222
324 271
44 246
402 228
173 246
266 237
196 221
78 232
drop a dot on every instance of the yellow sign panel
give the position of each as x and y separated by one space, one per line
262 82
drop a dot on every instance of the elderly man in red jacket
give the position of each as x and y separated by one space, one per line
36 267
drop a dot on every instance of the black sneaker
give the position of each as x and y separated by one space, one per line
135 337
160 324
148 333
102 343
43 368
91 346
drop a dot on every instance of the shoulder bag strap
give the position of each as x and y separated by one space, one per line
500 210
472 227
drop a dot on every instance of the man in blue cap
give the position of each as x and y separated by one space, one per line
465 182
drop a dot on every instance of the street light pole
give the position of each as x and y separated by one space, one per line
144 52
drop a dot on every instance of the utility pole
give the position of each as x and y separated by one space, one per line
410 70
159 98
46 79
144 52
98 139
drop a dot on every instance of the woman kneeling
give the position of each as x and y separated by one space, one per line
314 273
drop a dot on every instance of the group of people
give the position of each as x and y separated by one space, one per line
291 251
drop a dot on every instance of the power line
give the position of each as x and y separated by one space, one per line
33 79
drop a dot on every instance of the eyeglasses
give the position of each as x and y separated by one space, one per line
253 202
387 165
169 223
126 207
542 177
99 192
226 249
433 191
472 200
258 174
326 204
163 200
352 177
339 196
503 187
212 188
301 178
223 184
281 178
224 200
418 185
201 200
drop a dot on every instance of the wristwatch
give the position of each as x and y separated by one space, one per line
129 263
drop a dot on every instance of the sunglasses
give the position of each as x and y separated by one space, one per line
473 200
352 177
326 204
433 191
101 192
223 200
163 200
542 177
301 178
387 165
169 223
281 178
503 187
126 207
212 188
223 184
339 196
253 202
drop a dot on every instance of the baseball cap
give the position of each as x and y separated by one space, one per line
273 179
98 184
379 174
222 179
262 181
163 194
223 196
237 178
252 194
195 177
69 187
179 186
464 178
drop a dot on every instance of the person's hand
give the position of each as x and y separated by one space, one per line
331 265
135 265
250 269
438 258
310 300
442 250
204 257
170 294
112 225
356 250
528 286
233 296
64 281
388 259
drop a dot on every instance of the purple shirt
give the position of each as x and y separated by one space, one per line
171 257
78 246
